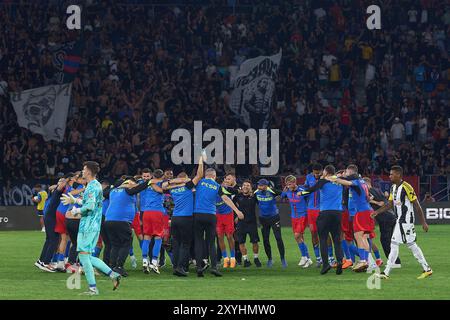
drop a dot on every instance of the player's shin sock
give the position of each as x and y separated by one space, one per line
354 249
352 256
224 254
418 254
346 249
392 257
370 260
140 243
131 252
60 257
100 265
377 254
303 249
170 256
66 253
145 248
362 254
317 252
85 259
156 250
330 253
232 253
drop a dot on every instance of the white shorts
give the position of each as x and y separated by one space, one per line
404 233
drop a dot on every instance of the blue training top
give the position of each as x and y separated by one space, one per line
183 199
331 196
206 193
122 206
267 203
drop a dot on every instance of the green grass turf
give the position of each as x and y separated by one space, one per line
19 279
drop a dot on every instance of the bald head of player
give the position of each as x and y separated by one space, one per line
329 170
182 175
210 173
396 174
351 170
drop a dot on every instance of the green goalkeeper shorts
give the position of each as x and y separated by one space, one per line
86 241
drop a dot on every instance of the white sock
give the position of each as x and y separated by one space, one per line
392 258
245 257
371 261
255 256
418 254
155 262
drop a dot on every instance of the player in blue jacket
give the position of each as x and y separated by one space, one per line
270 218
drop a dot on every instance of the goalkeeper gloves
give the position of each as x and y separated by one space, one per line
69 199
76 211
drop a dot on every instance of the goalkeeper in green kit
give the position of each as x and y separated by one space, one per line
91 217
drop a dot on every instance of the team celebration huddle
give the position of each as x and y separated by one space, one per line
202 225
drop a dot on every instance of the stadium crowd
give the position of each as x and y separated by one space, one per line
344 93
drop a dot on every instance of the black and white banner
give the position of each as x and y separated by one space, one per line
43 110
254 89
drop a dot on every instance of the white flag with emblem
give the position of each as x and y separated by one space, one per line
43 110
254 89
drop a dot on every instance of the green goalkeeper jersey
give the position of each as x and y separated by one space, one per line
91 209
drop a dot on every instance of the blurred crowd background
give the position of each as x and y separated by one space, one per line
344 94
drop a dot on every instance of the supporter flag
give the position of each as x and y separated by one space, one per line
43 110
66 59
253 90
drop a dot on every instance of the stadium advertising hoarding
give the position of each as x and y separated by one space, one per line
437 212
24 217
18 218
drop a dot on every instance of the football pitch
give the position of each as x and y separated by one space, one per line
20 279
